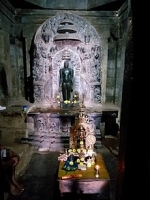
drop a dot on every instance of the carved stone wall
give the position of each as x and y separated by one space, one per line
83 46
51 131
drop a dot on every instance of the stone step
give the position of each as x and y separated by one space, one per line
10 136
54 144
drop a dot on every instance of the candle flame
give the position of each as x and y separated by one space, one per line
97 167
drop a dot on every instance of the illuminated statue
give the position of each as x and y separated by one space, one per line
66 82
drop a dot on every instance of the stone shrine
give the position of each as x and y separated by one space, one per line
64 37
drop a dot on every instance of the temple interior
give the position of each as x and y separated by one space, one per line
46 106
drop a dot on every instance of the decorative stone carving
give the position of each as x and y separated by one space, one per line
66 36
73 35
83 130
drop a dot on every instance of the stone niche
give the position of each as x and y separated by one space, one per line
64 36
67 37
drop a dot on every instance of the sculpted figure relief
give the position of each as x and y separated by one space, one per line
66 82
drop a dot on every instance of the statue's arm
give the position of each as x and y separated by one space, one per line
72 73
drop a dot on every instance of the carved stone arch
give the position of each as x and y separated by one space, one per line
84 45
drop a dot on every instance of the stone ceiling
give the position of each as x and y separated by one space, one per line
100 5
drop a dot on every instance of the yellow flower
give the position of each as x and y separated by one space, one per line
93 162
81 142
89 164
71 162
82 159
84 150
78 150
78 160
70 150
81 163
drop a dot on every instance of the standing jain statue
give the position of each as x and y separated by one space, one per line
66 82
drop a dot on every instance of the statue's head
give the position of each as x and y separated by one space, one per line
66 64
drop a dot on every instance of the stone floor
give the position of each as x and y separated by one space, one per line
40 177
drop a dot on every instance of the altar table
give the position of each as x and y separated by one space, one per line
87 183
